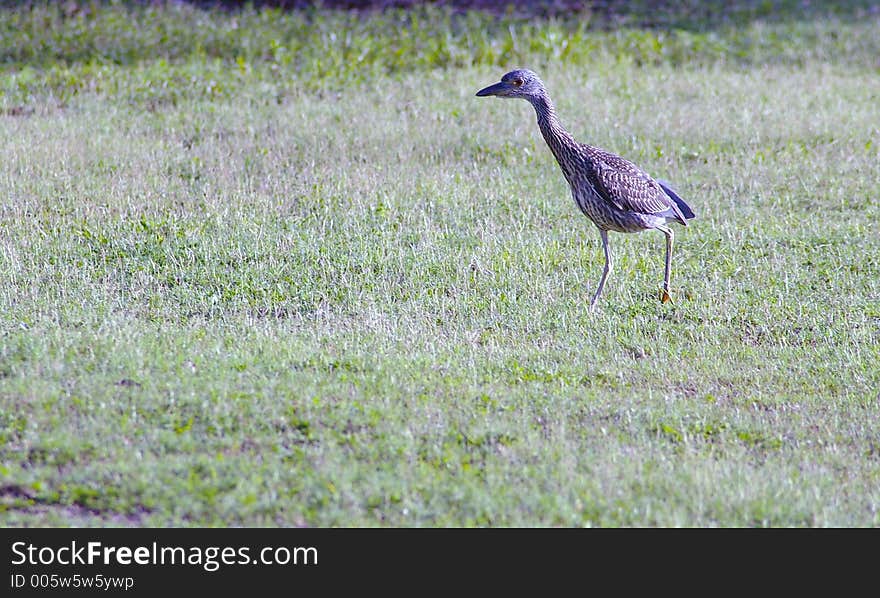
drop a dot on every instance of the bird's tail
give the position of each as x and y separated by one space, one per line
686 210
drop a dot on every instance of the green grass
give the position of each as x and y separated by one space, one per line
236 290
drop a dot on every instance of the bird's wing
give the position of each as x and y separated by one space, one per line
627 186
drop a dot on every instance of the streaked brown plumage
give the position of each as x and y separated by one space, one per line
611 191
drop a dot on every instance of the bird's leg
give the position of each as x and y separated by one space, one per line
664 292
607 270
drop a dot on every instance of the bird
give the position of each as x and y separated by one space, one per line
615 194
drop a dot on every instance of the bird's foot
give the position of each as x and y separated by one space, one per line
664 296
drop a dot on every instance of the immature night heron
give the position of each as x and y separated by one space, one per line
613 192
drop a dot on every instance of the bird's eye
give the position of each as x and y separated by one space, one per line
517 82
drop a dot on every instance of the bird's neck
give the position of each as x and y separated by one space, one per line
558 139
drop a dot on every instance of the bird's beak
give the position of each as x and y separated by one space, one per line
499 89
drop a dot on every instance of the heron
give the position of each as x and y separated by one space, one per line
615 194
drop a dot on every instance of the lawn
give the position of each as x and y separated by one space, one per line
289 271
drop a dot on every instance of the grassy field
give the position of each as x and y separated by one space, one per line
251 279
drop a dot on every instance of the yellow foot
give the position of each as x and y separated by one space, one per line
664 296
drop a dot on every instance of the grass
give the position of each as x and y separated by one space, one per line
239 291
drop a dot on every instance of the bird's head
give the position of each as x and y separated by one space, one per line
521 83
